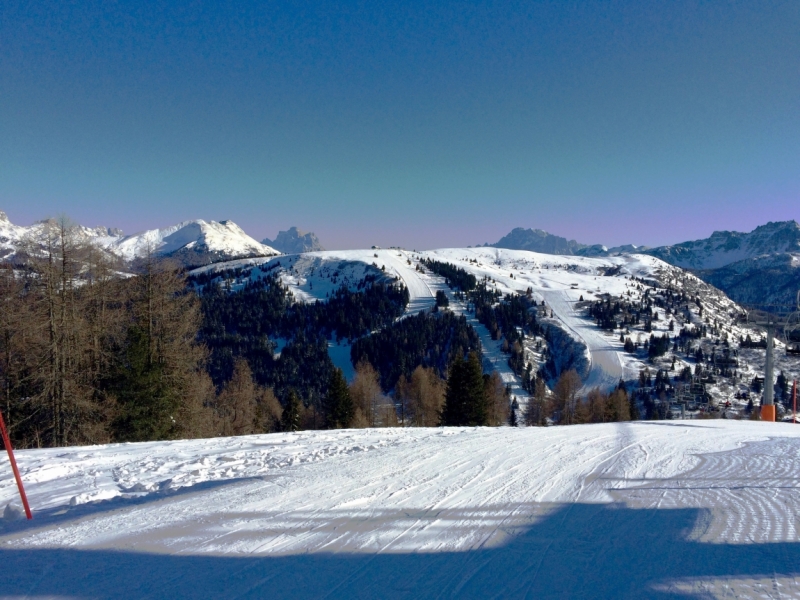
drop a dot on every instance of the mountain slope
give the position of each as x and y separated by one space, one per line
194 243
723 248
568 286
770 279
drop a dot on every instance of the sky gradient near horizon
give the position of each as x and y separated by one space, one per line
422 124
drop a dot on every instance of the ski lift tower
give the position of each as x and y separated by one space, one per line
775 318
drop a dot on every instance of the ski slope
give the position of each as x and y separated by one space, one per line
700 509
558 280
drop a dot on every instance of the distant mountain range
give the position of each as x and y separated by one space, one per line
295 241
193 243
759 267
538 240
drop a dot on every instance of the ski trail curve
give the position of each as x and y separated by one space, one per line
605 366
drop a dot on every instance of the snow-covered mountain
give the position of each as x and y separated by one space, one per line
567 285
295 241
538 240
13 237
193 243
723 248
759 267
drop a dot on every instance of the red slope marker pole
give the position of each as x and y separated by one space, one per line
10 451
794 401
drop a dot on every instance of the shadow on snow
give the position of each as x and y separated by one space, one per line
575 551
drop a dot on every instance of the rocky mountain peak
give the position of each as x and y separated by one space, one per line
294 241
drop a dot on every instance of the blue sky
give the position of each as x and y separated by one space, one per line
422 124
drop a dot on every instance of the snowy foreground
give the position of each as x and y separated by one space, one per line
700 509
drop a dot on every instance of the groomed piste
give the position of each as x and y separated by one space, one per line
700 509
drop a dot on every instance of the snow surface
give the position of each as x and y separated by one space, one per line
701 509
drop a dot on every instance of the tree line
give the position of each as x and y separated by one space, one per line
88 356
565 406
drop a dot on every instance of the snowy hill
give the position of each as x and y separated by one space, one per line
624 510
566 284
759 267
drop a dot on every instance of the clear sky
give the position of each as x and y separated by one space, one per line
422 124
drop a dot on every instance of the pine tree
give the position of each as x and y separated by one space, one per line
339 407
634 408
465 398
290 419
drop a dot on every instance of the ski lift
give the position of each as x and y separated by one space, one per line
791 332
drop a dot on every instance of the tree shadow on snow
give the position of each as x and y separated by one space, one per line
575 551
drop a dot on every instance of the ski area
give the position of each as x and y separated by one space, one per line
701 509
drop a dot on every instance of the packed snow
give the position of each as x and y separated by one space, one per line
700 509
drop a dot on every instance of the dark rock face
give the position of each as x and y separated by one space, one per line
537 240
771 279
294 241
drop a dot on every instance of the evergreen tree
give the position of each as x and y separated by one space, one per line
634 408
145 402
290 419
339 409
512 418
465 398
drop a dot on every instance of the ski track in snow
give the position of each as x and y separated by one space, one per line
724 493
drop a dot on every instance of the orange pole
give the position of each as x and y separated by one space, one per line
794 400
14 468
